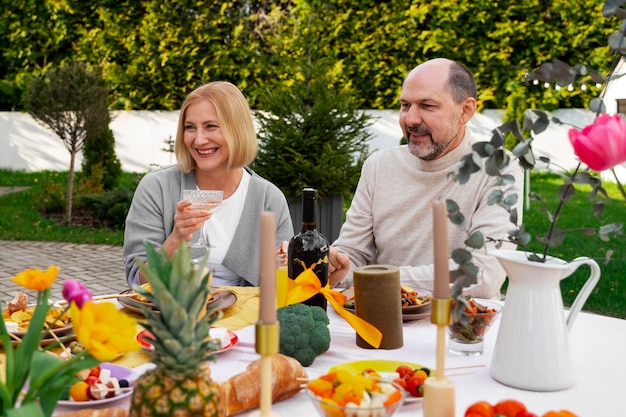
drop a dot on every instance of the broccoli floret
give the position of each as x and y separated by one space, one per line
304 333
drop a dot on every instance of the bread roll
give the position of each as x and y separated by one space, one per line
243 391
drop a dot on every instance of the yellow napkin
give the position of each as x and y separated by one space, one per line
244 312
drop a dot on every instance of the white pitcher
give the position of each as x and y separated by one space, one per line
532 348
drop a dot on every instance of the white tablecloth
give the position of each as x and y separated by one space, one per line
598 346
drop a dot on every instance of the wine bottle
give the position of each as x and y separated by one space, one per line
309 247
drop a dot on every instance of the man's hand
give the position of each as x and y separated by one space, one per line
338 267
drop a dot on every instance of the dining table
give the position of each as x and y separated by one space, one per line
597 344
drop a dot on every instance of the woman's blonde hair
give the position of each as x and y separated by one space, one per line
234 117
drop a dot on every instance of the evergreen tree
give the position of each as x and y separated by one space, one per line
100 163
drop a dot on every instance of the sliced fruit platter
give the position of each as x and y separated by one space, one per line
409 376
101 384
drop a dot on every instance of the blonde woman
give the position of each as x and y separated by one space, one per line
215 142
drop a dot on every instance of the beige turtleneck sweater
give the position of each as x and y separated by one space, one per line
390 217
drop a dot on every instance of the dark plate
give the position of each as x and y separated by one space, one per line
415 312
221 299
67 336
423 314
60 331
47 339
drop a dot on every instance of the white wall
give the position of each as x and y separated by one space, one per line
616 88
140 139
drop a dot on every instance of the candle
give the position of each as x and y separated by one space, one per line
440 246
376 293
267 279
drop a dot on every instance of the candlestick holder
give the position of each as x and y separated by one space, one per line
266 344
439 392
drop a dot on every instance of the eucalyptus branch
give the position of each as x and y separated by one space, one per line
620 186
569 186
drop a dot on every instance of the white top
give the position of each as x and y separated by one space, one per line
220 229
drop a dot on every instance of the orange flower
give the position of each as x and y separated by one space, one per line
36 279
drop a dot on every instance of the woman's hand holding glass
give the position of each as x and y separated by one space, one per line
188 220
203 201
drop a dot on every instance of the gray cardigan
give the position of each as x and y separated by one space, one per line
151 218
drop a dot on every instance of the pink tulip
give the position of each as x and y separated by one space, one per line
75 291
601 145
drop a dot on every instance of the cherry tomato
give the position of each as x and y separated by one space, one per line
480 408
413 385
509 408
92 380
95 371
404 370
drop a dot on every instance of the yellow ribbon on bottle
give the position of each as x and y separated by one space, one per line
307 284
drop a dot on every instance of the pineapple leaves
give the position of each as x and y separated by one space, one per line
180 321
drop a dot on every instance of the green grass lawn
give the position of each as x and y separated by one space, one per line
20 219
609 296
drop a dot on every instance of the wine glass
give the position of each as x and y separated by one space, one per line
203 200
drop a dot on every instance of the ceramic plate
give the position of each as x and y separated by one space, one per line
426 301
386 369
423 312
135 302
409 313
119 372
67 337
63 334
144 334
221 299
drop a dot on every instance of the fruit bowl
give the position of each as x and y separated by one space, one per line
382 400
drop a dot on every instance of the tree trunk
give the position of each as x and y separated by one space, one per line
70 190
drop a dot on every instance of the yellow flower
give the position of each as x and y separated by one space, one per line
36 279
103 330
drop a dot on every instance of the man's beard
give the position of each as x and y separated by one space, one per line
432 152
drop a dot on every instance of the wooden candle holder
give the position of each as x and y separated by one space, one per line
439 392
266 344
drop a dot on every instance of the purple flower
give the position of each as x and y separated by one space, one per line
75 291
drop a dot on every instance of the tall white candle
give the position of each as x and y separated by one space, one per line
267 279
440 247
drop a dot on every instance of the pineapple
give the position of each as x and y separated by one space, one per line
181 384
